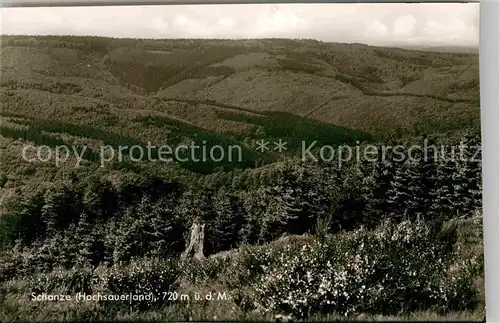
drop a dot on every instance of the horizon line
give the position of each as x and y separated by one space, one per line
390 45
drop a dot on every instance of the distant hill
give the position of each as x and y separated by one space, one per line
101 90
446 49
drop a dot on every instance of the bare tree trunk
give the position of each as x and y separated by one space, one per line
195 247
200 240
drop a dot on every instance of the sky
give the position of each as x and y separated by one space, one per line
445 24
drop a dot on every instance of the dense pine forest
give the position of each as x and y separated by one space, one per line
398 236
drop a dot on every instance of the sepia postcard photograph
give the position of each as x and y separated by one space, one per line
241 162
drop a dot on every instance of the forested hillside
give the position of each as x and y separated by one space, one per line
282 236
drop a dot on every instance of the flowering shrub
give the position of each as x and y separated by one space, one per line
395 268
139 277
69 281
457 284
202 271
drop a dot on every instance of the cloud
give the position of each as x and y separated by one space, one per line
159 23
379 28
277 22
375 24
226 22
453 31
181 21
405 26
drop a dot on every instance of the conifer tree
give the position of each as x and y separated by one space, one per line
85 240
50 211
443 196
377 190
254 207
224 229
466 179
399 193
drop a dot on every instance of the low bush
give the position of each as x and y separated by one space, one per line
202 271
397 268
151 277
